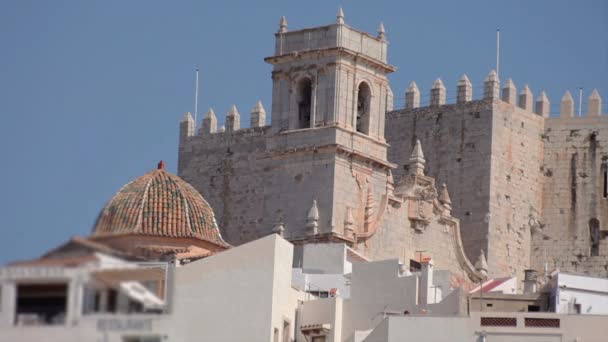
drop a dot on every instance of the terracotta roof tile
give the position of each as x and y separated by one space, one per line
161 204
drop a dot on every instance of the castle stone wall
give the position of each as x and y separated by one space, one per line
525 187
457 142
516 187
225 169
575 157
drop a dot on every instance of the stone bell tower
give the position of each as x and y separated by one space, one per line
330 95
331 75
320 170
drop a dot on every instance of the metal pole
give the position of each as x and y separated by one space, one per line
196 98
580 100
498 53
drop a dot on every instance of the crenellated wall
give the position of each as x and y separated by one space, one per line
494 154
523 185
457 146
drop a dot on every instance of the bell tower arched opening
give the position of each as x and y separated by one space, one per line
304 100
364 95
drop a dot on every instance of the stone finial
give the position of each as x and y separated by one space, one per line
412 96
381 32
566 108
417 161
525 98
187 117
491 86
209 122
312 220
481 265
542 105
595 104
233 120
349 223
279 226
340 16
464 90
283 25
509 92
187 125
258 115
438 93
444 197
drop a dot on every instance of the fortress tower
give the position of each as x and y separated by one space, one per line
528 188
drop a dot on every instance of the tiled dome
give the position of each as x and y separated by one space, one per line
158 204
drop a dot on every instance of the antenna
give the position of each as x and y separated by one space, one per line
580 100
196 96
498 53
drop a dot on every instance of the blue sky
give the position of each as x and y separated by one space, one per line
91 93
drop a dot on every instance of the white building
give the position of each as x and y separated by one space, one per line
578 294
243 294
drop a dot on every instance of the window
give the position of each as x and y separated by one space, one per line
415 266
41 304
304 100
275 337
533 308
318 339
594 236
112 300
319 293
363 108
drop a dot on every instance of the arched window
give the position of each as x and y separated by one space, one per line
594 234
363 108
304 100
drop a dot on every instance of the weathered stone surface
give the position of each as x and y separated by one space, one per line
330 178
524 188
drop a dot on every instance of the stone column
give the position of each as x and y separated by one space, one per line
74 301
8 302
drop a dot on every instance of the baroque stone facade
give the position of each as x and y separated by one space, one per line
338 163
